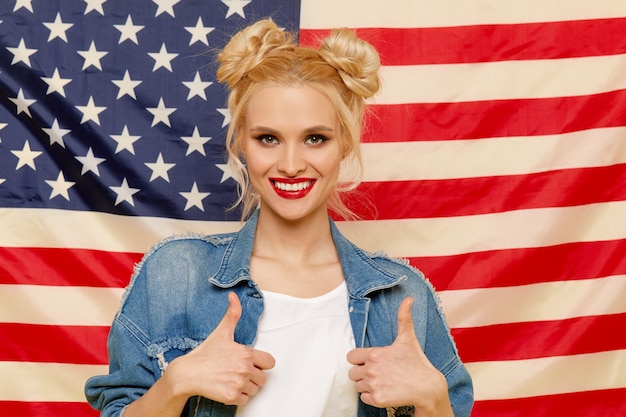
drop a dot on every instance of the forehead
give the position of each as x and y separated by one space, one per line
290 106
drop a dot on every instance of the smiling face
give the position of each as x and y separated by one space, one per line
293 149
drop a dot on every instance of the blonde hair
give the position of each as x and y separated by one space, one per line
344 68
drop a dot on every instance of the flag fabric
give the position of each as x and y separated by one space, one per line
495 162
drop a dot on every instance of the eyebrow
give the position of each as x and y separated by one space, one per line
312 129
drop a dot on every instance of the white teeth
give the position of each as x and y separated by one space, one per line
292 187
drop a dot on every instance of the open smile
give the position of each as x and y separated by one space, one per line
292 188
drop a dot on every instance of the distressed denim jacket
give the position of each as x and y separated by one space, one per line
178 295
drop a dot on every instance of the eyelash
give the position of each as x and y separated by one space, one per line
269 139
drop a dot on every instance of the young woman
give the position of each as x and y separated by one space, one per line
285 317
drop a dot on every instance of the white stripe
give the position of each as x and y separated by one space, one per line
44 304
42 382
326 14
536 302
501 80
401 238
91 230
431 160
548 376
484 232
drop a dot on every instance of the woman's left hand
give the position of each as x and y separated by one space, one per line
400 374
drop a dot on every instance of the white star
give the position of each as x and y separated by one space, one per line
197 87
227 173
2 180
90 163
126 86
21 53
165 6
22 103
226 114
162 59
91 112
236 6
56 83
2 126
160 168
194 198
199 32
124 193
60 187
58 28
128 31
94 5
26 157
161 113
27 4
125 141
195 142
92 56
56 133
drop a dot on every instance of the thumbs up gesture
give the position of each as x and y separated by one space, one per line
400 374
220 368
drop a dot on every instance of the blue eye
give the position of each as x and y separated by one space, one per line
315 139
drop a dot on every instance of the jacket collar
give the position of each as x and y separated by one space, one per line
361 272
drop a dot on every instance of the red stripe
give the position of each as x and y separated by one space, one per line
467 196
46 409
605 403
511 267
489 43
74 267
60 344
497 118
541 339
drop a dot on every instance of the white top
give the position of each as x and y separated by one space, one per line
309 338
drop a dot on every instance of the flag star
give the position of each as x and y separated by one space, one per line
2 126
94 5
165 6
197 87
60 187
26 157
162 59
58 28
27 4
124 193
126 86
161 113
195 142
199 32
125 141
160 168
22 103
236 6
227 172
56 133
128 31
226 114
90 163
91 112
21 53
92 56
56 83
2 180
194 198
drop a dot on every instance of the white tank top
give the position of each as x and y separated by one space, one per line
309 338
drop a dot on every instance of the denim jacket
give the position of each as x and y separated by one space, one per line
178 295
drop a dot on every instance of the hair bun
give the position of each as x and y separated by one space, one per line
248 48
356 61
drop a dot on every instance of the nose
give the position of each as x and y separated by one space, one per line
292 160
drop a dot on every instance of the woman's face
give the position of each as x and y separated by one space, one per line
292 146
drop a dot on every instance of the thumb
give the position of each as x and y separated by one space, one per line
406 330
227 326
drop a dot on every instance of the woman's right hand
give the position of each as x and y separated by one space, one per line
220 368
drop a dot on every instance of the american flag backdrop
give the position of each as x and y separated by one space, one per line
495 159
